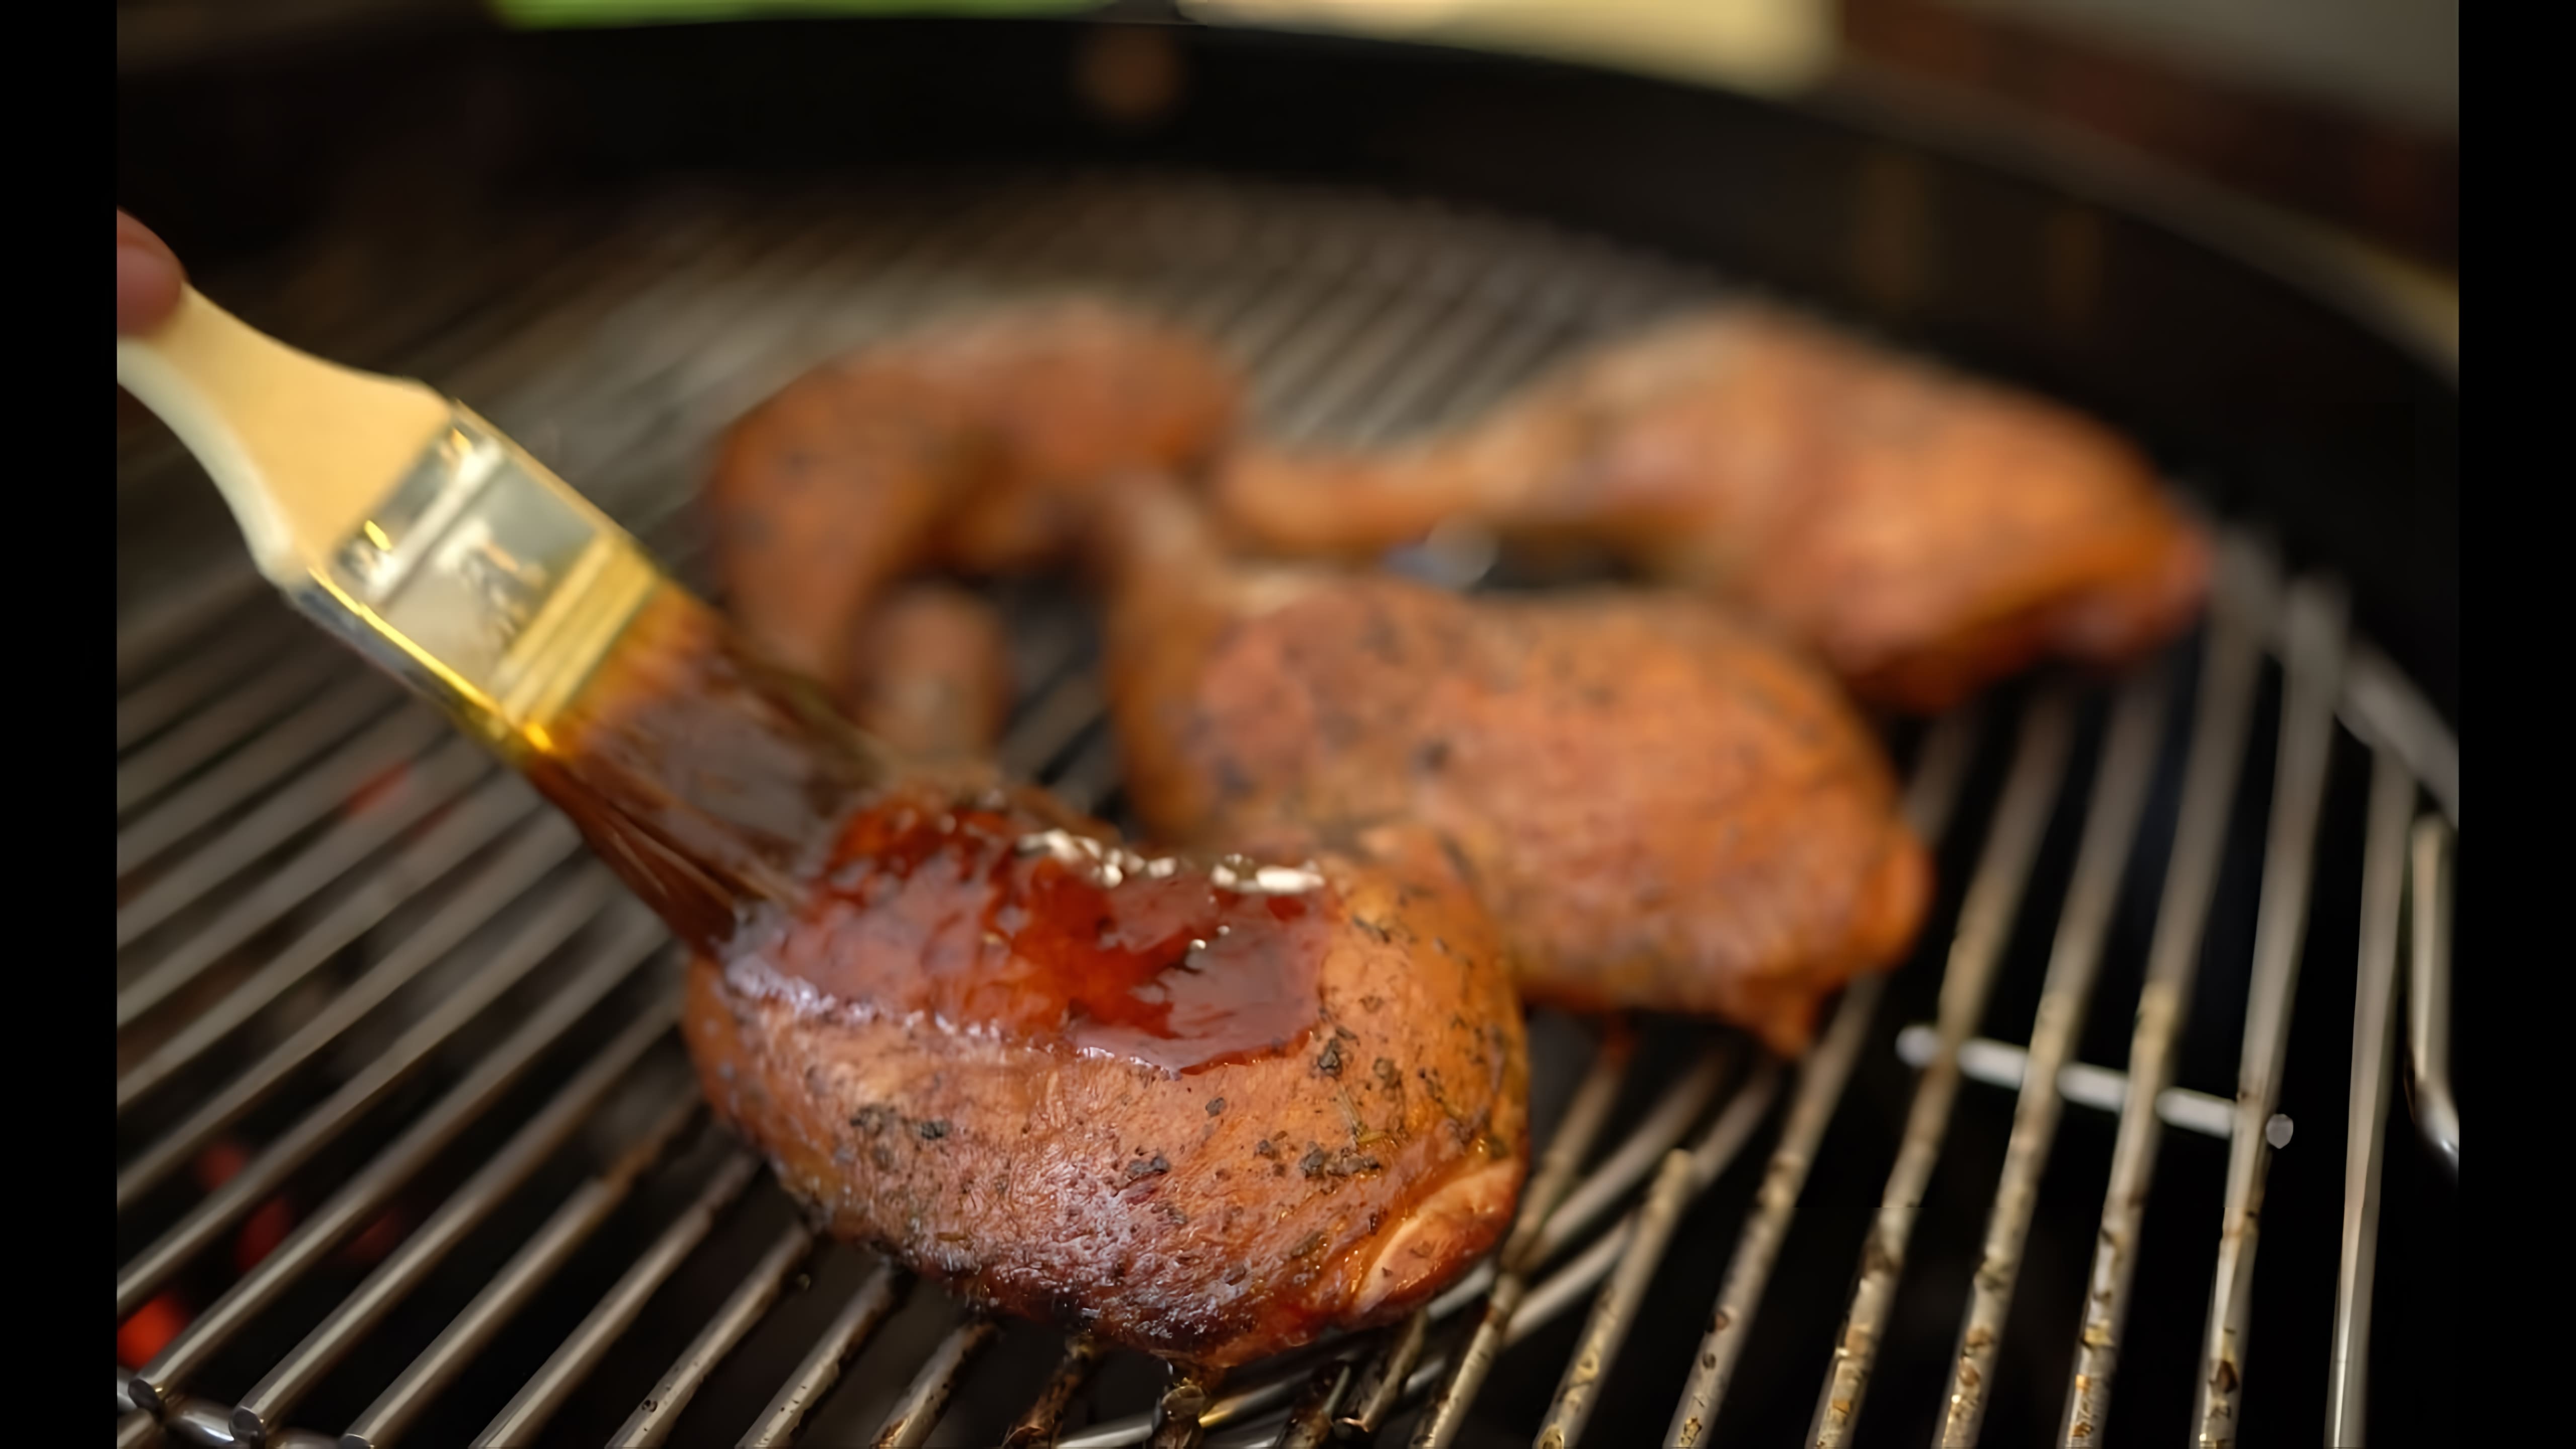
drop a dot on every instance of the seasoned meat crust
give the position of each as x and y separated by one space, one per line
1202 1106
1662 807
1203 1109
1922 533
965 447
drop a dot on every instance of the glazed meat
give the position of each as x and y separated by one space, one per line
963 447
1662 807
1203 1107
1209 1112
932 673
1925 534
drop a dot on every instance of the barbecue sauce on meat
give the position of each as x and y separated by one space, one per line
772 836
1203 1108
990 920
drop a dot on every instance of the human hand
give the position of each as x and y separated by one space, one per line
148 278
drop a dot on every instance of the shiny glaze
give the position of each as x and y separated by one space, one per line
1215 1215
770 835
967 1028
989 919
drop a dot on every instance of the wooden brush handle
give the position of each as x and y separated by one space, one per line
301 448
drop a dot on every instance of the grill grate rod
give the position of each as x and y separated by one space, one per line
2374 1022
1584 1118
1616 1308
262 1177
1934 790
363 1197
2222 721
1180 1415
908 1424
1985 924
218 594
1310 1416
1051 726
2001 1064
651 1422
1456 329
1042 1422
178 692
2381 705
1628 1164
1638 1244
256 704
523 1418
449 843
329 719
503 881
1383 1374
1714 1153
875 1301
2428 989
2110 829
683 319
2314 664
434 777
262 1410
518 1280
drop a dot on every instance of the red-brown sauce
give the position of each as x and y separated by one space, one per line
768 833
980 920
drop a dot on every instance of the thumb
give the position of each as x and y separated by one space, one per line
148 278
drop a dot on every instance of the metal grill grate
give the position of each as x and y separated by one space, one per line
406 1146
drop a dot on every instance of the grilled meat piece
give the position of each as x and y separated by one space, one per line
963 447
1202 1107
1205 1110
1662 807
932 676
1924 533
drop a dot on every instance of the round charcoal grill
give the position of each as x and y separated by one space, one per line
407 1150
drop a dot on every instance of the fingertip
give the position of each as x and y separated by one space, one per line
148 277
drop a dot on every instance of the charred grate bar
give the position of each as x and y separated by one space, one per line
403 1155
